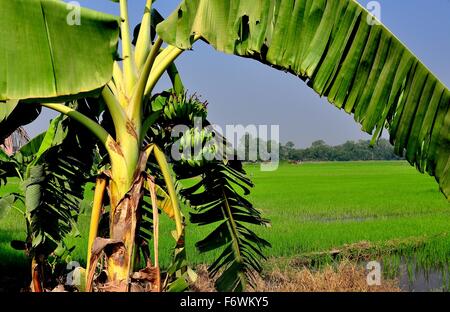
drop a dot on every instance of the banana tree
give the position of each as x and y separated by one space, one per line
335 46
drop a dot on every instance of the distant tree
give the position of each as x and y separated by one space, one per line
287 151
318 143
349 151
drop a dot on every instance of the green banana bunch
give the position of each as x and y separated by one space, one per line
198 146
181 107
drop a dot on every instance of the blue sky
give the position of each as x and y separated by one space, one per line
240 91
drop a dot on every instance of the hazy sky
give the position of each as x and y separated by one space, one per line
240 91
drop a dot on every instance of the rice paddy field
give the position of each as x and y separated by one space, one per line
320 212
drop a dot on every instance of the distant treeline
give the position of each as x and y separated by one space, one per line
350 150
320 151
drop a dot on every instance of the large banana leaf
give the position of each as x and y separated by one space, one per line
358 65
42 55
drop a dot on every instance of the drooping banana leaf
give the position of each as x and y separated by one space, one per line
60 169
54 168
337 48
45 54
217 198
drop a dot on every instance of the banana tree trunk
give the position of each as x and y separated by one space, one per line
125 189
123 220
125 192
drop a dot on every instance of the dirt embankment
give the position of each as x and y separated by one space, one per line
346 277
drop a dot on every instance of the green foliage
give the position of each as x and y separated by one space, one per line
349 151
